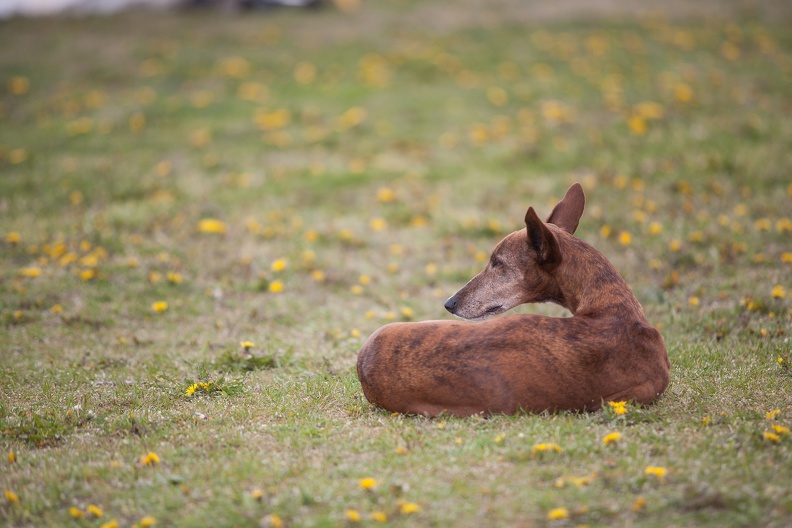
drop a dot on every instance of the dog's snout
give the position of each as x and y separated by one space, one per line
451 304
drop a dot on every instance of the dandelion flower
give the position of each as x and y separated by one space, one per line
772 415
378 224
780 429
619 408
76 512
771 437
385 195
659 472
147 522
211 225
639 504
31 272
407 312
778 292
279 265
159 306
191 389
274 521
275 286
352 515
407 508
150 459
379 517
368 483
247 344
625 238
110 524
611 438
13 237
94 510
318 275
173 277
557 514
11 497
11 457
541 448
693 301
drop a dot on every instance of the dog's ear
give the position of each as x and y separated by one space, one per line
542 241
566 214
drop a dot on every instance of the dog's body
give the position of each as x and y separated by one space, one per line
606 352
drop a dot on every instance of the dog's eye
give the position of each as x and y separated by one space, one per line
494 263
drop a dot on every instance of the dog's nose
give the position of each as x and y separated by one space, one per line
451 304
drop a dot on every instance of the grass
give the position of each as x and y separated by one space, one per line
359 166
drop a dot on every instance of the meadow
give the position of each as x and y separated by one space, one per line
203 216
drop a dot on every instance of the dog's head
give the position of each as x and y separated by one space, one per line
521 268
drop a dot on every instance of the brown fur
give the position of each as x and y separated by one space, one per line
606 352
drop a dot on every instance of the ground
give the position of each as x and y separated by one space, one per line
203 217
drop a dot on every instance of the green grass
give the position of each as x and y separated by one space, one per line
295 130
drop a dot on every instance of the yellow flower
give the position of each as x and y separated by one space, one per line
683 93
318 275
659 472
11 457
94 510
379 516
32 271
693 301
275 521
625 238
279 265
771 415
557 514
407 508
211 225
407 312
11 497
19 85
541 448
150 459
191 389
147 522
77 513
368 483
159 306
655 228
173 277
639 504
611 438
786 257
110 524
275 286
619 408
385 195
778 292
88 274
771 437
352 515
13 237
637 125
378 224
17 156
780 429
247 344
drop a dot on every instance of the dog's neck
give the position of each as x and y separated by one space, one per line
590 286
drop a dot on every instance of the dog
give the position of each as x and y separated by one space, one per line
607 351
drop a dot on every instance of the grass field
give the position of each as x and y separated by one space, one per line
204 216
